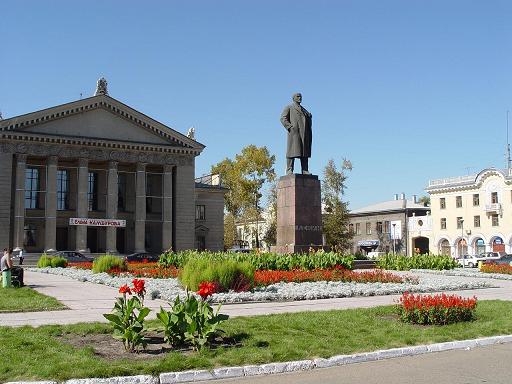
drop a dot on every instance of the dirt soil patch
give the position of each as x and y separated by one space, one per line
105 346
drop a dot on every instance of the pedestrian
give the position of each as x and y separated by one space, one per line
6 265
20 255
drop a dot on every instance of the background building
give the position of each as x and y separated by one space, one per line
95 175
472 214
383 227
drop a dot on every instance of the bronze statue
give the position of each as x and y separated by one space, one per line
297 121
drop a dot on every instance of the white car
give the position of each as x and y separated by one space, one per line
375 255
470 261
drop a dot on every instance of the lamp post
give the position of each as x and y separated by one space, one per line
462 242
394 238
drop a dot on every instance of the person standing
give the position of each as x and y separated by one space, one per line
20 255
297 121
6 265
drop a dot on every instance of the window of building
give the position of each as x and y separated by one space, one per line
459 222
494 198
379 227
121 192
30 235
351 228
443 223
368 228
476 200
458 201
442 203
200 212
476 221
387 227
32 188
62 189
92 191
495 221
358 228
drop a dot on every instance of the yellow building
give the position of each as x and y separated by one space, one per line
472 214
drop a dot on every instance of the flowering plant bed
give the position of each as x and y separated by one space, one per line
497 268
137 269
262 278
435 309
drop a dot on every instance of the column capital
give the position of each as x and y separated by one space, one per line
52 160
141 167
83 162
168 168
21 157
112 164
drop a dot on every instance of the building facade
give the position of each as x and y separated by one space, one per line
472 214
384 227
95 175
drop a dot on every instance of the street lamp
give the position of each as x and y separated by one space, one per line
462 241
394 224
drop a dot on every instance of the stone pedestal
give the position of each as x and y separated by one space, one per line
299 214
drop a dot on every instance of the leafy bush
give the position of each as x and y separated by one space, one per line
435 309
51 261
497 268
264 261
44 261
105 263
228 274
191 321
404 263
58 261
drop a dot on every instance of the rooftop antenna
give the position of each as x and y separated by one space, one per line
509 160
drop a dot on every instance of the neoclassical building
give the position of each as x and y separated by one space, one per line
472 214
95 175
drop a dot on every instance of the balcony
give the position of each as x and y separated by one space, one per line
493 208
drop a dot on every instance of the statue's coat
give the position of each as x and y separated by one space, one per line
297 121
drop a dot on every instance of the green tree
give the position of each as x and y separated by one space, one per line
245 177
425 200
270 236
335 219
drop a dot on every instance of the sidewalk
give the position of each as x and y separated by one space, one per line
87 301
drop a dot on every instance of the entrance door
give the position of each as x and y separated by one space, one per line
92 239
61 241
120 240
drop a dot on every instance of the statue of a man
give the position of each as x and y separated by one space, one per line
297 121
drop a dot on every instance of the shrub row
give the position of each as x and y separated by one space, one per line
404 263
51 261
264 261
106 263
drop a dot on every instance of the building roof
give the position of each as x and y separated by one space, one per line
391 205
467 182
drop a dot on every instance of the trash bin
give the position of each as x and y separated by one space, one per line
17 277
6 278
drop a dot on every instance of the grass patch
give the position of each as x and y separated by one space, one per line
39 354
26 299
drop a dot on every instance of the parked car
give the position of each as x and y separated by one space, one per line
492 255
375 255
470 261
507 260
72 256
240 250
142 257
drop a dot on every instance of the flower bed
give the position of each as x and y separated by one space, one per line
466 272
169 289
504 269
435 309
137 269
262 278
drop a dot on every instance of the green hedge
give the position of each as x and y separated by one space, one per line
106 262
264 261
229 274
404 263
51 261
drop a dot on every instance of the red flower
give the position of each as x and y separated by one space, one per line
207 288
125 289
138 287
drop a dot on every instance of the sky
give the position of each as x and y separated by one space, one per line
409 91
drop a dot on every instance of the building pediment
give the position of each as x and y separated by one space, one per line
95 121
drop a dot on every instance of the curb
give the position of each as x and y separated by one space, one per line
290 366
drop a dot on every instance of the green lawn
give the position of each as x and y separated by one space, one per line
36 354
25 299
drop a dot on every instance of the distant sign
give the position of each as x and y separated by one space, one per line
368 243
97 222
